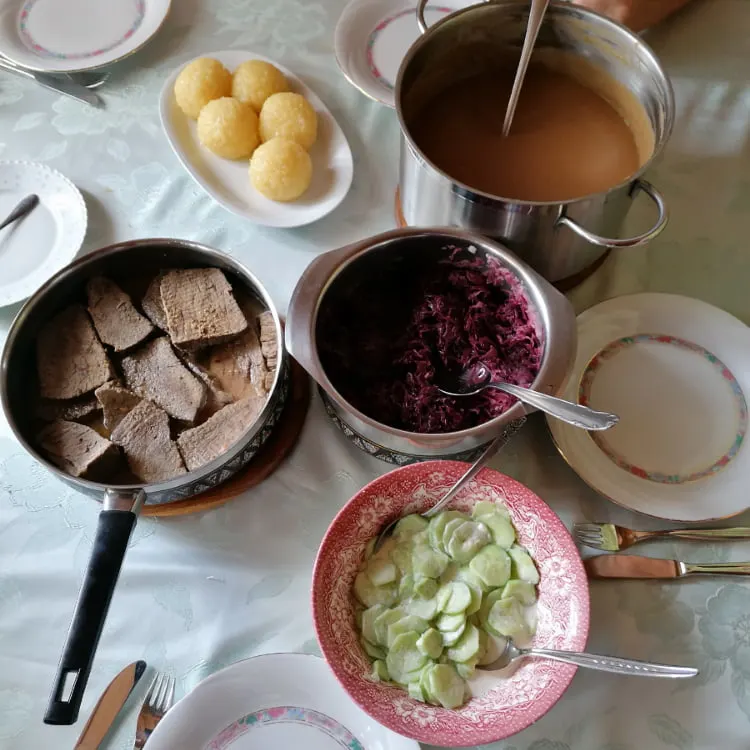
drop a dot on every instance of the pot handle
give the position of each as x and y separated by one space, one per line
421 22
640 239
116 523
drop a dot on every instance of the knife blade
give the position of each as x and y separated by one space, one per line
109 705
635 566
54 83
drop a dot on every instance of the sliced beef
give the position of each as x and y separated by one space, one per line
200 307
78 450
239 367
70 358
268 341
71 410
155 372
202 444
116 402
216 396
151 304
143 434
115 318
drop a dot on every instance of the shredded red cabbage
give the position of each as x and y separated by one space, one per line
383 338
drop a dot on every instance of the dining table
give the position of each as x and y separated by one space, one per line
200 592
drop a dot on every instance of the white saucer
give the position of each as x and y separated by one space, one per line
280 701
36 247
228 183
372 37
75 35
677 372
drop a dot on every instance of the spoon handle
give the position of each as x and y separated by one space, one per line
575 414
536 16
613 664
491 449
26 205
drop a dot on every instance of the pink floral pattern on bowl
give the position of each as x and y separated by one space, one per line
514 702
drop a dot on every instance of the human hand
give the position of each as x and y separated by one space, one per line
635 14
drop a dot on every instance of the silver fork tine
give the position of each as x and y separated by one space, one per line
156 697
587 527
151 690
169 695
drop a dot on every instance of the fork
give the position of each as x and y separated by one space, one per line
159 700
611 538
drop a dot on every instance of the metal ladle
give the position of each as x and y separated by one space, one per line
536 16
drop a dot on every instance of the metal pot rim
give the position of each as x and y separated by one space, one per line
565 9
73 269
536 288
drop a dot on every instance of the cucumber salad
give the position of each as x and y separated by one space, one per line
440 597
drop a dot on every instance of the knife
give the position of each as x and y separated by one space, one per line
109 705
634 566
54 83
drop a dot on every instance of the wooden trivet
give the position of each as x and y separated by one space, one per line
564 285
278 446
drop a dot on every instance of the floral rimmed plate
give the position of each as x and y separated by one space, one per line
272 701
503 704
677 372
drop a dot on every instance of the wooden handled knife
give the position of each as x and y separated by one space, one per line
634 566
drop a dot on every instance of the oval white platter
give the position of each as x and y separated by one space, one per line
227 182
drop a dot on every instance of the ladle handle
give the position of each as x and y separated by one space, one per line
491 449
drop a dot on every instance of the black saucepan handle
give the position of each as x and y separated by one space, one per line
110 544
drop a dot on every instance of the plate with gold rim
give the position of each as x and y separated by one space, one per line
676 371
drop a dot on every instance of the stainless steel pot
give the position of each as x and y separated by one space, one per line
559 240
122 503
340 268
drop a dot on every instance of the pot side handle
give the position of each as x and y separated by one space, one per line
116 523
421 22
641 239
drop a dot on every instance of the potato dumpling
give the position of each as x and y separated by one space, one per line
254 81
281 169
199 82
228 128
289 116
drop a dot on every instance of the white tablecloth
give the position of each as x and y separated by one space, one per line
199 593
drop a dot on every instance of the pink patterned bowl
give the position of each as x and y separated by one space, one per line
506 704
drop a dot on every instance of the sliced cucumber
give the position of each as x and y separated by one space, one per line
406 586
383 621
409 525
425 587
467 646
492 651
523 565
408 624
466 669
483 508
430 643
428 562
447 687
467 540
380 671
502 529
521 590
476 599
368 622
424 608
437 527
416 692
381 572
450 528
370 595
401 556
492 565
453 598
446 623
451 637
404 657
373 651
484 611
506 618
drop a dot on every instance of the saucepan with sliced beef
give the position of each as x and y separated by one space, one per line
145 372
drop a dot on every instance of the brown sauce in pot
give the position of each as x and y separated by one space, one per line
567 141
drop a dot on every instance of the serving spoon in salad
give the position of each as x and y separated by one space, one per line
478 377
613 664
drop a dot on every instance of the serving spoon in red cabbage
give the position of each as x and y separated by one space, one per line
478 377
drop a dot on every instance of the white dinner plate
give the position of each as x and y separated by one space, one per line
228 182
677 372
373 36
75 35
37 246
279 701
